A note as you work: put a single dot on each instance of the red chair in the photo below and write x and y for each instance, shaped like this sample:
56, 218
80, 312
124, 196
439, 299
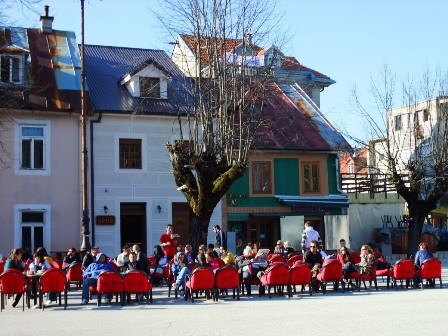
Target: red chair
293, 259
276, 275
403, 269
12, 282
277, 258
110, 282
74, 274
226, 278
299, 275
431, 269
362, 276
137, 282
53, 280
201, 279
2, 266
354, 256
331, 272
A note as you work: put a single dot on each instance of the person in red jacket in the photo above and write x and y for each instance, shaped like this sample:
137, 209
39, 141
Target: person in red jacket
168, 241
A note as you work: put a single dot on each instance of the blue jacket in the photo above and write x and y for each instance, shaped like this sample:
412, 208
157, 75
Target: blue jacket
94, 270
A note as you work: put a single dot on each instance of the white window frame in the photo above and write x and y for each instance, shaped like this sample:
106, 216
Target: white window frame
46, 170
20, 58
19, 209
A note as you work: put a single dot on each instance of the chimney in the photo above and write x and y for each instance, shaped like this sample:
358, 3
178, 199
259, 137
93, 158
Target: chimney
47, 21
248, 38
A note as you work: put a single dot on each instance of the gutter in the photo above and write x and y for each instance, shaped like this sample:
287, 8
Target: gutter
92, 177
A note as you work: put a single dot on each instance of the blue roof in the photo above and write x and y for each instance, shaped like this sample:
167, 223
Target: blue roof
105, 68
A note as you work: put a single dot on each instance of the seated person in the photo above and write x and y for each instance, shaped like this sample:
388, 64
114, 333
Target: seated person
123, 257
366, 264
131, 265
70, 259
181, 276
38, 265
90, 257
213, 260
91, 274
227, 256
246, 268
314, 260
279, 248
289, 249
189, 254
422, 254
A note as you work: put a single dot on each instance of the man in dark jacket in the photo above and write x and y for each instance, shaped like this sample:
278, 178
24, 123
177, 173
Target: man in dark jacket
220, 237
313, 259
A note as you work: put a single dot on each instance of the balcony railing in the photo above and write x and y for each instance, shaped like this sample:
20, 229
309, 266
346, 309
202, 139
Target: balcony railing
369, 183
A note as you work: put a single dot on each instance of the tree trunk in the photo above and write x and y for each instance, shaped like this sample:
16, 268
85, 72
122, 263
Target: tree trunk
416, 219
198, 230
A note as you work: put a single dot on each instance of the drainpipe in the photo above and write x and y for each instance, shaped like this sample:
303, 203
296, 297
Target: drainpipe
338, 180
92, 176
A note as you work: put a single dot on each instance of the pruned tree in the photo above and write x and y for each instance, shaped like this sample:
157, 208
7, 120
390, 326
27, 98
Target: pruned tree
414, 146
226, 98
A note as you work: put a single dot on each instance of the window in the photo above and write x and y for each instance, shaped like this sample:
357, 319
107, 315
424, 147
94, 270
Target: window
261, 177
150, 87
351, 168
416, 118
32, 225
32, 146
310, 177
130, 153
397, 122
425, 115
10, 69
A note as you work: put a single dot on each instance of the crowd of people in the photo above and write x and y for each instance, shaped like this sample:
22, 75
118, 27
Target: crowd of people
180, 261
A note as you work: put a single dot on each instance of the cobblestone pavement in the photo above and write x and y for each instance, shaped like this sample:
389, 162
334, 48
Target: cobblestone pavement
368, 312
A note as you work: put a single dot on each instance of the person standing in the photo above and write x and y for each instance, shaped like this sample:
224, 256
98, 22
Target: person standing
308, 235
220, 237
168, 242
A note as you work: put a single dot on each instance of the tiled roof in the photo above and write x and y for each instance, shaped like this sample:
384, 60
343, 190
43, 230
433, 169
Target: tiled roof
289, 125
291, 63
54, 80
106, 66
229, 46
288, 62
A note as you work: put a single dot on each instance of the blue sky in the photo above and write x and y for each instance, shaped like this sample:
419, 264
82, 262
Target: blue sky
347, 40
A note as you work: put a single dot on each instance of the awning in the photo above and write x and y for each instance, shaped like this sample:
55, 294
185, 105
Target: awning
442, 210
340, 200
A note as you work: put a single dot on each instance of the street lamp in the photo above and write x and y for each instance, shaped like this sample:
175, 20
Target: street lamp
85, 232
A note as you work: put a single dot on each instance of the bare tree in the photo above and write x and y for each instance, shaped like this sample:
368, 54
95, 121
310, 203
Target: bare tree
226, 100
415, 140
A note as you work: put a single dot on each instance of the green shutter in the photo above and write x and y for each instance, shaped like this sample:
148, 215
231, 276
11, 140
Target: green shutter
286, 177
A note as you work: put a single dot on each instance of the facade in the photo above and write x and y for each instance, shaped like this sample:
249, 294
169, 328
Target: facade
40, 104
293, 171
134, 94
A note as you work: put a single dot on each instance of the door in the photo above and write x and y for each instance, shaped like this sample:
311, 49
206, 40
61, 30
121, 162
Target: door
181, 214
318, 225
264, 232
133, 224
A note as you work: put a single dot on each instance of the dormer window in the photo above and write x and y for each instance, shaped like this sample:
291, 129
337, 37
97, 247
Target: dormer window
150, 87
11, 69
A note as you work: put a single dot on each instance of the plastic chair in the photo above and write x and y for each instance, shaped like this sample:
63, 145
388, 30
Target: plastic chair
74, 274
110, 282
137, 282
430, 269
53, 280
299, 275
12, 282
403, 269
331, 272
275, 276
201, 279
277, 258
226, 278
293, 259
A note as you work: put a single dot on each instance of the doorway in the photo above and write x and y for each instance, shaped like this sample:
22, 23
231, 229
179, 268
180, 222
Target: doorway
180, 221
133, 224
318, 225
